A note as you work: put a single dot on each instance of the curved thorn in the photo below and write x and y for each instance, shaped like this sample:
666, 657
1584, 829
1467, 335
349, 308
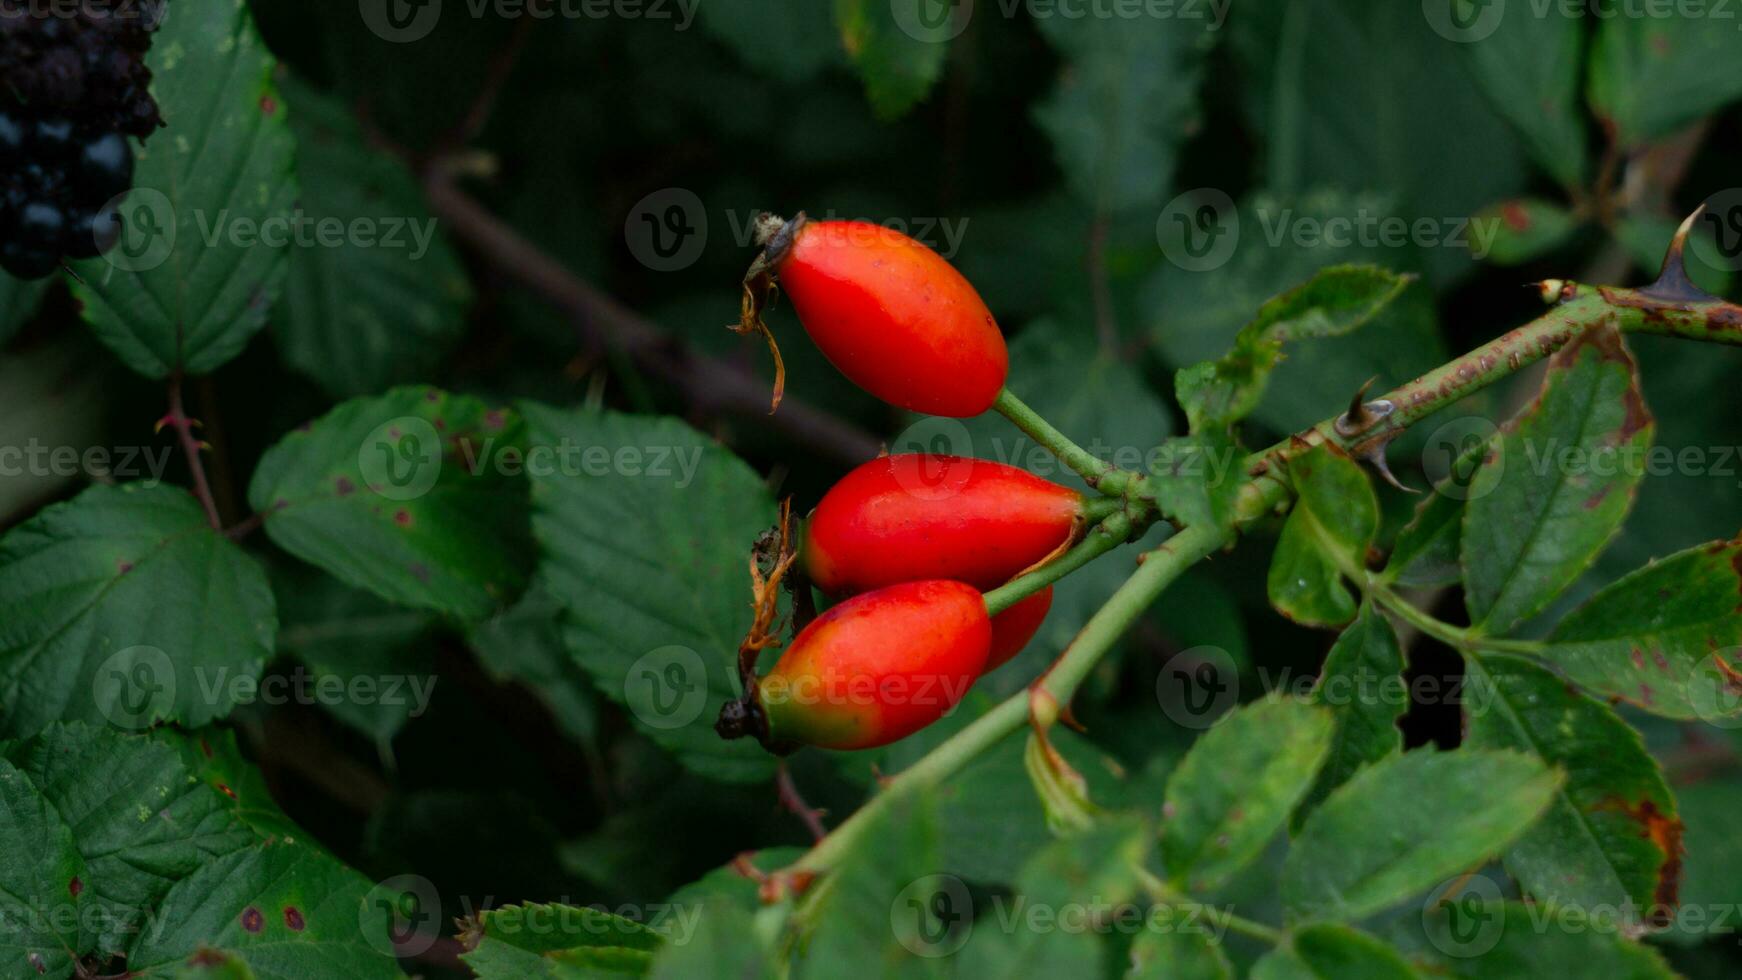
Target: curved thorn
1672, 282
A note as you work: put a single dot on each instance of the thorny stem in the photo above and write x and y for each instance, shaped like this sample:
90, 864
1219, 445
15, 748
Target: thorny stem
178, 420
1096, 472
1671, 306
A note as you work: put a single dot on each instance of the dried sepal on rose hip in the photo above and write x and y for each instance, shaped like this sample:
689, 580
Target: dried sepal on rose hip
917, 516
869, 671
887, 311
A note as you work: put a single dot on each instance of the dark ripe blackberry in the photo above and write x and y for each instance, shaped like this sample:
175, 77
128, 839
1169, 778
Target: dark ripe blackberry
73, 88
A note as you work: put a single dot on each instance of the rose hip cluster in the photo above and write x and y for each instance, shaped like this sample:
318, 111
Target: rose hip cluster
76, 87
907, 542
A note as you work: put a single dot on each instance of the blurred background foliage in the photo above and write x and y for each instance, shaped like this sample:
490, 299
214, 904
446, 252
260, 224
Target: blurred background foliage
1057, 148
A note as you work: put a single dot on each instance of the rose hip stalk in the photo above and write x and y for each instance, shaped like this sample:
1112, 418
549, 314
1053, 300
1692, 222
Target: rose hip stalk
921, 516
870, 671
894, 316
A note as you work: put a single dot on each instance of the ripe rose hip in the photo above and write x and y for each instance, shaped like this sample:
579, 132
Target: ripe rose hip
894, 316
870, 671
921, 516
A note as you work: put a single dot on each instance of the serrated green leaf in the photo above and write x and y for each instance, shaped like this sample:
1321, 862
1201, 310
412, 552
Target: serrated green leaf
649, 562
559, 942
19, 299
42, 876
1236, 786
1556, 484
1327, 951
898, 47
286, 910
1326, 537
124, 606
1529, 63
203, 254
1525, 229
1406, 823
414, 495
1610, 839
1664, 638
1511, 941
1336, 301
363, 309
363, 657
214, 758
137, 815
1124, 103
1197, 480
1362, 686
1652, 75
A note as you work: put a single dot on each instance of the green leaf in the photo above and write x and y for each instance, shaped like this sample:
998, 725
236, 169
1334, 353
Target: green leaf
283, 909
124, 606
1512, 941
414, 495
1406, 823
1426, 552
1610, 839
1529, 62
137, 815
1556, 484
1124, 103
1336, 301
898, 47
363, 658
724, 944
1236, 787
648, 557
1710, 882
42, 876
1650, 76
1525, 229
1662, 638
1097, 867
214, 758
1337, 88
1362, 685
790, 44
1327, 951
203, 255
889, 899
559, 942
19, 299
1326, 537
1166, 951
382, 301
1197, 479
1278, 243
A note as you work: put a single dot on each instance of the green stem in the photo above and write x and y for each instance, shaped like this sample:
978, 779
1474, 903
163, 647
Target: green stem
1453, 636
1104, 537
1158, 570
1164, 894
1097, 473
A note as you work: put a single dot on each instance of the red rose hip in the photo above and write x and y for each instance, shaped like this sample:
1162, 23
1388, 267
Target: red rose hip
870, 671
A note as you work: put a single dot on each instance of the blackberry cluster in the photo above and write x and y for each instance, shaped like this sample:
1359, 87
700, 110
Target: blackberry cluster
73, 87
